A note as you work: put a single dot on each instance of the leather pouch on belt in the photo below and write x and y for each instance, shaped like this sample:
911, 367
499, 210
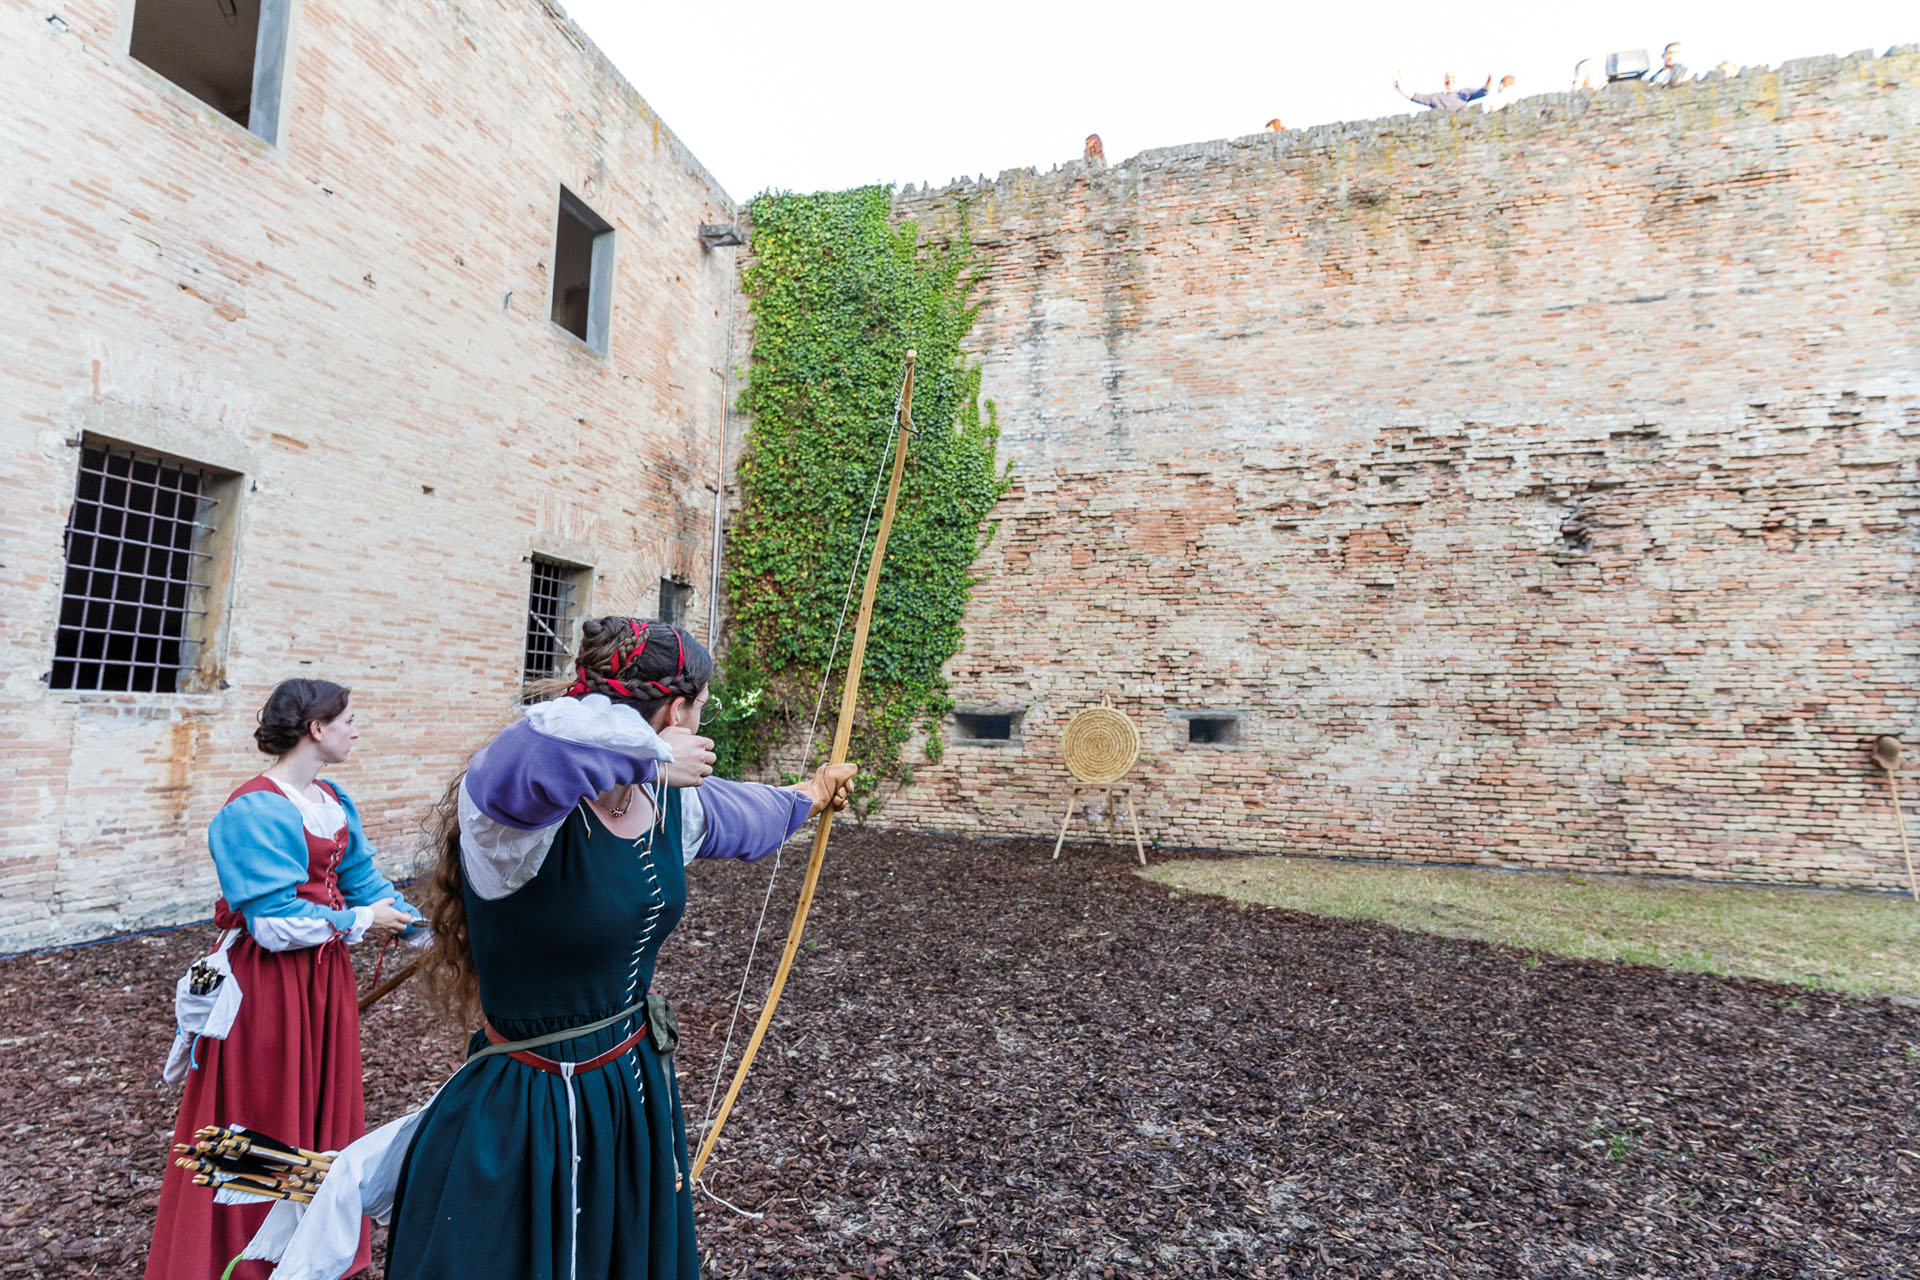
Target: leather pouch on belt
662, 1028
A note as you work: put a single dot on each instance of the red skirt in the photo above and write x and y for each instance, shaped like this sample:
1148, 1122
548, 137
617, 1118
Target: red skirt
291, 1068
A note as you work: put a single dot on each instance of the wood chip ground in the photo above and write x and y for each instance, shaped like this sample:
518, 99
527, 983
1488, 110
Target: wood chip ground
990, 1064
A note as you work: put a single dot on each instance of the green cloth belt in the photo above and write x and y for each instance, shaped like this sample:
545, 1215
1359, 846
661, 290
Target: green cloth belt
555, 1037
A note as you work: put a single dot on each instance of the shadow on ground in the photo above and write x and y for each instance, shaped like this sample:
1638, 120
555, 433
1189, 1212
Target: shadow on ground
988, 1063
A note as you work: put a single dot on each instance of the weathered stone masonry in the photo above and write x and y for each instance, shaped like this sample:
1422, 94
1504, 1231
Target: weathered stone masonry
355, 319
1539, 488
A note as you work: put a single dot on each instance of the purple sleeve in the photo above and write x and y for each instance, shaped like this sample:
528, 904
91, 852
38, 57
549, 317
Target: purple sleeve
748, 819
525, 779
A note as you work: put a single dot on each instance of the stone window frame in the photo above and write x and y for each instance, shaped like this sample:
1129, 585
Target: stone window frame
604, 252
272, 74
1016, 717
201, 618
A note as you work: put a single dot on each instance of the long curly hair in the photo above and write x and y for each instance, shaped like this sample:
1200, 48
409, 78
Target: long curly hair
640, 662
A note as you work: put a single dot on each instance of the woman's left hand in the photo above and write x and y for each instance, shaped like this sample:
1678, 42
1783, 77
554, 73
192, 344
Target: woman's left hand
830, 785
388, 922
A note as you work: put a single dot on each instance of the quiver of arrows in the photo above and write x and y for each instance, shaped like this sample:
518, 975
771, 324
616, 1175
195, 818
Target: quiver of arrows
232, 1158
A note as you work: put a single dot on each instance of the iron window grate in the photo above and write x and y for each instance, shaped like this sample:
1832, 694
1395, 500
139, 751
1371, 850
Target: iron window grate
549, 618
674, 596
137, 572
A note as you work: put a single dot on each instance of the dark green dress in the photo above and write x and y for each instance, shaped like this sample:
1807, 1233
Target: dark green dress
487, 1190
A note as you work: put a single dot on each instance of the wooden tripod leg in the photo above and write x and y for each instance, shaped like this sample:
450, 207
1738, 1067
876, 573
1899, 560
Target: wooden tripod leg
1900, 819
1113, 818
1138, 849
1073, 798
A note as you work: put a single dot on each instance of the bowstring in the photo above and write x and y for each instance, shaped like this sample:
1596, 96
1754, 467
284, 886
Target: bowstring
806, 754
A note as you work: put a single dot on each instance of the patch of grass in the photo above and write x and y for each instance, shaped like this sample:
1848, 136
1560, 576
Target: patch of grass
1858, 943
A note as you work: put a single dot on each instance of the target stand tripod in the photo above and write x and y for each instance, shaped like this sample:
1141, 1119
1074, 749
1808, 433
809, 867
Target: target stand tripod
1100, 746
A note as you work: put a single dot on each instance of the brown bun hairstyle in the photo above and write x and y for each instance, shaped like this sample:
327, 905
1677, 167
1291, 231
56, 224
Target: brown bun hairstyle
292, 708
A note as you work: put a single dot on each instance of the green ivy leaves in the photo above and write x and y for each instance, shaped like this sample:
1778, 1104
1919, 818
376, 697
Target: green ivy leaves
838, 298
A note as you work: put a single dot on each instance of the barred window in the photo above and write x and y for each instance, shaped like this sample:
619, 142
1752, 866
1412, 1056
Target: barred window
675, 597
550, 613
140, 564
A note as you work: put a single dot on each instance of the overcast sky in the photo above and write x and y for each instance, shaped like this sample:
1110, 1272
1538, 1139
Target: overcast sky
809, 95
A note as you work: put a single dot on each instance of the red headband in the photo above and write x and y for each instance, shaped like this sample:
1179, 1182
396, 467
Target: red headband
621, 660
679, 663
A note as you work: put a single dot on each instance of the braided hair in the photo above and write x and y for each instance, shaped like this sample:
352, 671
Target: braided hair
641, 662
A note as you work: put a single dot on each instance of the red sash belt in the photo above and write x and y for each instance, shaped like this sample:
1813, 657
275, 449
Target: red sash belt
579, 1068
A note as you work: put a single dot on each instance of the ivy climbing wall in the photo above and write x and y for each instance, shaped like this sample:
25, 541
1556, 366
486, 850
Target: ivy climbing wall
838, 297
1535, 488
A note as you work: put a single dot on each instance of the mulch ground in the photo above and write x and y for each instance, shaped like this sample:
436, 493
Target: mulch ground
988, 1064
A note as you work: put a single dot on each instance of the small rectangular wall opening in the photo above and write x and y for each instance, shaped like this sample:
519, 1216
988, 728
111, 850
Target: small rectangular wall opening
986, 726
582, 272
1213, 731
230, 54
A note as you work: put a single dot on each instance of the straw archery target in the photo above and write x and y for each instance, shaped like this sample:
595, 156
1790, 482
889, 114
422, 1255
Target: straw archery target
1100, 745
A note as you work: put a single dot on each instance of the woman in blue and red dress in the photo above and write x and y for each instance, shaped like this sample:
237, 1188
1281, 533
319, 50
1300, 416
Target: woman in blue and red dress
298, 887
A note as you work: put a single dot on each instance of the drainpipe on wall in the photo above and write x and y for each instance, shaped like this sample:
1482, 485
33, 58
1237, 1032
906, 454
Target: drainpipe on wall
719, 236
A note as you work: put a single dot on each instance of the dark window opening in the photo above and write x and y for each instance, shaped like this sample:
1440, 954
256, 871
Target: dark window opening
1213, 730
984, 726
582, 272
137, 573
230, 54
1575, 535
549, 618
675, 598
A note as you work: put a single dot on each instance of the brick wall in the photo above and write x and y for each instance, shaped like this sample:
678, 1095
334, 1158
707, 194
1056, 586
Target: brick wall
355, 321
1538, 488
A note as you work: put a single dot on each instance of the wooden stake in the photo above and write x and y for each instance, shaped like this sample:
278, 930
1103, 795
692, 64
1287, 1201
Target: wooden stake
843, 731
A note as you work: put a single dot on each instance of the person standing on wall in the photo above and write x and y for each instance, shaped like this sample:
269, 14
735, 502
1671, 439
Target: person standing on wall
1450, 98
298, 887
1671, 71
1498, 100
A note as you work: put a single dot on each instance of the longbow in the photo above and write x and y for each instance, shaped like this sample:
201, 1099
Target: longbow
842, 732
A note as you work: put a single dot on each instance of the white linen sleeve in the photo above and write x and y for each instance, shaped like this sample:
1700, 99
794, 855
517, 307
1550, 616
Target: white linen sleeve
290, 933
693, 825
496, 858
